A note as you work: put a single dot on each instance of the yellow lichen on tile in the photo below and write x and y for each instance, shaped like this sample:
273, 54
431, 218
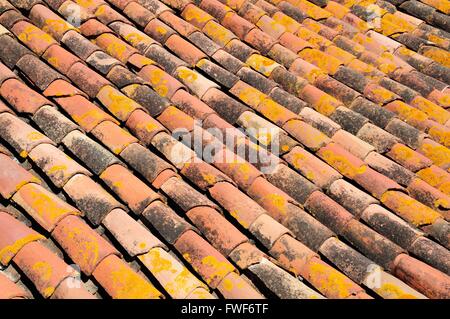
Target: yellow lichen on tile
44, 208
320, 59
342, 55
440, 134
187, 75
439, 55
433, 110
31, 32
87, 118
297, 161
442, 5
117, 103
290, 24
314, 39
35, 136
405, 154
196, 15
135, 38
249, 95
44, 272
342, 164
219, 269
58, 26
436, 179
312, 10
329, 281
326, 105
159, 82
127, 284
176, 279
437, 39
440, 155
218, 33
338, 10
409, 209
274, 111
262, 64
391, 291
8, 252
276, 204
407, 113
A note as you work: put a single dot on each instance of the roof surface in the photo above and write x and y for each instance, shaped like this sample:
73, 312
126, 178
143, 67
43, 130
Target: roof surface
344, 102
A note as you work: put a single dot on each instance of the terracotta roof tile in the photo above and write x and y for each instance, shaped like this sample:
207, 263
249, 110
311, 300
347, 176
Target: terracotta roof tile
350, 197
193, 106
200, 293
82, 244
4, 108
379, 116
143, 126
33, 37
79, 45
94, 201
267, 230
133, 237
10, 290
49, 22
121, 282
389, 168
164, 84
53, 123
60, 88
311, 167
113, 136
59, 167
39, 73
46, 208
170, 272
176, 23
422, 275
234, 286
166, 221
20, 135
13, 177
159, 31
220, 233
10, 17
209, 263
378, 217
429, 195
436, 177
178, 190
339, 253
14, 237
34, 254
204, 43
408, 158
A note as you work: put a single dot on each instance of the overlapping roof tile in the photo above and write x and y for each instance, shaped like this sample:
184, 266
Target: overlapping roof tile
114, 183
